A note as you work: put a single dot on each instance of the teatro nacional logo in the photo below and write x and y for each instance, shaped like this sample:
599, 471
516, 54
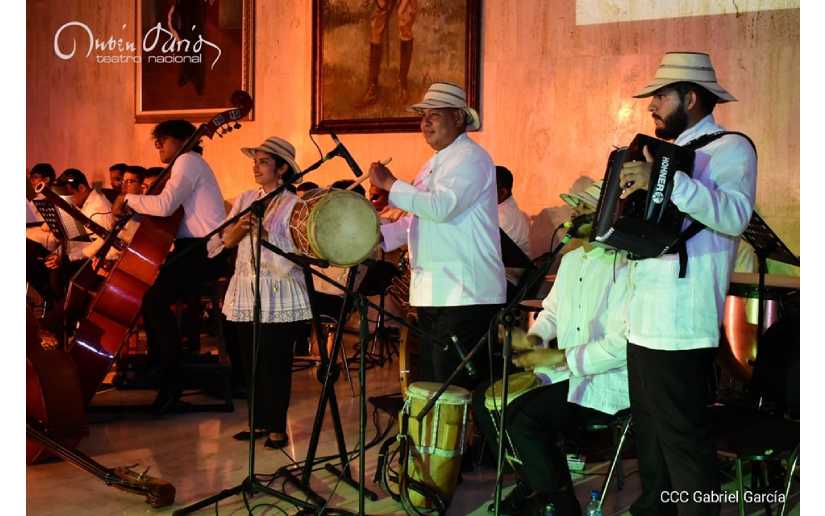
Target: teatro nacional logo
159, 45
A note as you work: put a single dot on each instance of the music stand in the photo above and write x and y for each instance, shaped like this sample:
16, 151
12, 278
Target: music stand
766, 244
52, 218
511, 253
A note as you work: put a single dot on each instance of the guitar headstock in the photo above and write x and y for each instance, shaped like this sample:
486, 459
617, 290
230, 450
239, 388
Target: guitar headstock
228, 120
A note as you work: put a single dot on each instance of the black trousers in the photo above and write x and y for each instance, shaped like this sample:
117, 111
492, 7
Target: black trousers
52, 285
535, 421
669, 395
179, 279
273, 384
438, 356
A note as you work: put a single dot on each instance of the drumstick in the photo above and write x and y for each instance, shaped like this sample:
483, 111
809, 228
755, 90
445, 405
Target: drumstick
366, 176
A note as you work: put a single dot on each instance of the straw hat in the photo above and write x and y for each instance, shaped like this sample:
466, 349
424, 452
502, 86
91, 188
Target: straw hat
588, 196
277, 146
692, 67
447, 95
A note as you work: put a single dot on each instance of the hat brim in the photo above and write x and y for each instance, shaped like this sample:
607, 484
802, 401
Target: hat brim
250, 153
473, 120
713, 88
573, 199
569, 200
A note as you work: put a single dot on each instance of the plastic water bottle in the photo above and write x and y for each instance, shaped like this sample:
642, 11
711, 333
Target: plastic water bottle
593, 508
549, 510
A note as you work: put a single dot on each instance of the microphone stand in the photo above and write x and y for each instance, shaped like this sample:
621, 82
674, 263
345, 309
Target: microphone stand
328, 392
508, 317
250, 485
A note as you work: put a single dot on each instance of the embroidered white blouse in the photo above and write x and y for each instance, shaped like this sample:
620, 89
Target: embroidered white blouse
283, 290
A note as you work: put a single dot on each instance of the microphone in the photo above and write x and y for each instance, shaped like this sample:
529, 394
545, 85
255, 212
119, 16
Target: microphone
580, 226
342, 151
462, 353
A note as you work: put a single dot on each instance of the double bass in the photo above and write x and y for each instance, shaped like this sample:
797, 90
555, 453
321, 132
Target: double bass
106, 311
115, 305
55, 407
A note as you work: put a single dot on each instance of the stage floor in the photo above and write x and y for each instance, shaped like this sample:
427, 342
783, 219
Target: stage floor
196, 453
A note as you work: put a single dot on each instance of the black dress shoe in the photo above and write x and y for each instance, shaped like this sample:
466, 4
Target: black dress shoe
244, 435
166, 400
276, 445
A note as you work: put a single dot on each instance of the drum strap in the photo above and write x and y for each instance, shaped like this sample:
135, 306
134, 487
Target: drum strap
695, 227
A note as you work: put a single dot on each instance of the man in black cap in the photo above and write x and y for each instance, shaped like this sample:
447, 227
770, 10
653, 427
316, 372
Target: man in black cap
93, 204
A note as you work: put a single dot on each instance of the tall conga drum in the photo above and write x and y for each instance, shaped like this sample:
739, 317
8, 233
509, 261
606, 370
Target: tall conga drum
439, 441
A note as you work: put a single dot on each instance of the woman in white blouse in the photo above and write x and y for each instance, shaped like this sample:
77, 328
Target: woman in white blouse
285, 309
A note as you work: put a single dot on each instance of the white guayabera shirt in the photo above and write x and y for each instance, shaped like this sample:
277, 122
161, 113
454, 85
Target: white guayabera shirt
586, 312
672, 313
452, 228
191, 184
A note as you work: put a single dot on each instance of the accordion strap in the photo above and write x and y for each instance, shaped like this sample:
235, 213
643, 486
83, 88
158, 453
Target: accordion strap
696, 226
681, 248
705, 139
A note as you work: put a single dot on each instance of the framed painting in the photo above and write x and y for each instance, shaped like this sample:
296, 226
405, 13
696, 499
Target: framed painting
373, 58
193, 55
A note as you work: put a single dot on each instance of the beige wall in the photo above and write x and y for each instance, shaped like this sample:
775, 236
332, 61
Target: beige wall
555, 97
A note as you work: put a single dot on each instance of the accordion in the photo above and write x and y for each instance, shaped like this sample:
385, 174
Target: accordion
646, 224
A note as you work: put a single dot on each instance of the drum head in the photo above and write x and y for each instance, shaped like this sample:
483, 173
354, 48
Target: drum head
518, 384
454, 395
343, 228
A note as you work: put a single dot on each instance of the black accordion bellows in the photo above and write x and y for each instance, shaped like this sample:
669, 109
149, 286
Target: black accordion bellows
646, 224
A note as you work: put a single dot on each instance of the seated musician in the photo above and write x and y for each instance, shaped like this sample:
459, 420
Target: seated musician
150, 175
192, 186
584, 380
133, 179
94, 205
305, 187
116, 173
285, 307
513, 222
131, 183
36, 229
40, 242
41, 173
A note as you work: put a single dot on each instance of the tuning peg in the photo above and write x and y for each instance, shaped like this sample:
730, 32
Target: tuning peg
140, 477
219, 134
228, 128
237, 125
